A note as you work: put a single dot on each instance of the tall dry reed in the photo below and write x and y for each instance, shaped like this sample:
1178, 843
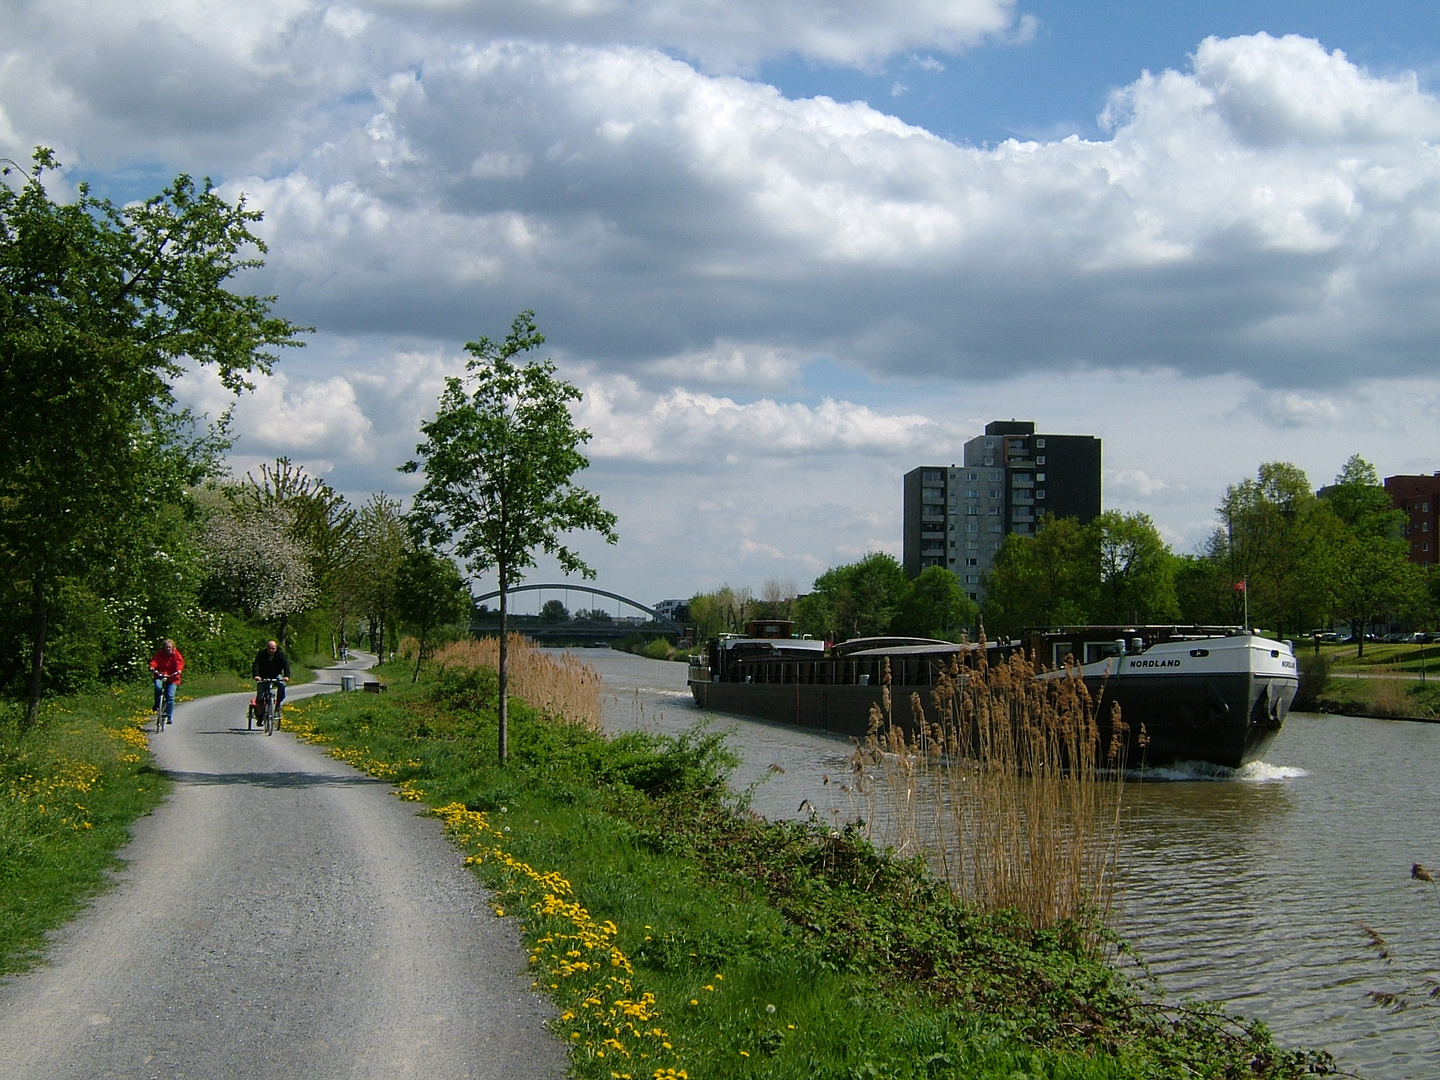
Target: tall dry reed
1004, 786
557, 684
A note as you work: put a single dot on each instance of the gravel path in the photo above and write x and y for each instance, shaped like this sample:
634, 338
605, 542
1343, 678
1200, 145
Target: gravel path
281, 915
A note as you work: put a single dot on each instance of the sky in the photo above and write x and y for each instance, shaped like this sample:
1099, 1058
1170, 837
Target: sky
790, 250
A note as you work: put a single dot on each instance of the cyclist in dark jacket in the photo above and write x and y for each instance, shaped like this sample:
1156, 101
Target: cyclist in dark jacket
271, 663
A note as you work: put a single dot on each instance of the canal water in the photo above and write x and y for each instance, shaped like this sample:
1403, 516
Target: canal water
1249, 890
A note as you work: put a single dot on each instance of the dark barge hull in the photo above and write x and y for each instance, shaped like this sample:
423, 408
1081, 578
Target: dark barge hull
1224, 719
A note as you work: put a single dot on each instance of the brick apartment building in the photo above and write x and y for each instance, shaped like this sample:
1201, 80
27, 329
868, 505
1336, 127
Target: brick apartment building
1419, 497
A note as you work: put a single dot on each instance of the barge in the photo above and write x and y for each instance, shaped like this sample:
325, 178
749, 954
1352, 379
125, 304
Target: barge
1205, 694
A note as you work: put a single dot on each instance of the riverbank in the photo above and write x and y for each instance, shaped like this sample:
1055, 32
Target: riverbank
678, 932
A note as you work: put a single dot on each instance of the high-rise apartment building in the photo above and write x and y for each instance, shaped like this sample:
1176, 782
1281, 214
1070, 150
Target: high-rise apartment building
956, 516
1419, 497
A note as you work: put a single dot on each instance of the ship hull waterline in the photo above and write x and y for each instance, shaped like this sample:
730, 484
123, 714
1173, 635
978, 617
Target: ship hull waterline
1227, 720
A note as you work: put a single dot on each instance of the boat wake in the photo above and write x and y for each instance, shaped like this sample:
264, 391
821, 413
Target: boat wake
1256, 772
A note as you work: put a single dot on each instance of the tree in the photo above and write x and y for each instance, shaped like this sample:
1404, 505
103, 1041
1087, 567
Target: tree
1275, 537
499, 460
858, 599
1137, 570
429, 593
99, 307
934, 605
381, 536
554, 611
256, 564
1047, 579
1368, 572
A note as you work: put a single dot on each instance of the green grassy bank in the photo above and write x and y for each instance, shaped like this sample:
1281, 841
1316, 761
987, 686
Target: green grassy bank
683, 937
69, 791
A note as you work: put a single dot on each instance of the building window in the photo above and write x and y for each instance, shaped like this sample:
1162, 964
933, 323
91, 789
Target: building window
971, 545
1424, 545
972, 476
989, 444
1040, 459
996, 493
972, 579
974, 596
972, 493
994, 511
1039, 511
1039, 477
1040, 443
1039, 494
972, 526
1424, 526
952, 543
972, 562
989, 460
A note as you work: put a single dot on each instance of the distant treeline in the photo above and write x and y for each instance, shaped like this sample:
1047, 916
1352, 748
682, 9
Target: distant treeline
1307, 559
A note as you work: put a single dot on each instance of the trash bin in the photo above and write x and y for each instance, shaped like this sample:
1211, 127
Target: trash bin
347, 683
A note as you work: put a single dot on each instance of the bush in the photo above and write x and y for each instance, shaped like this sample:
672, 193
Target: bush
1314, 678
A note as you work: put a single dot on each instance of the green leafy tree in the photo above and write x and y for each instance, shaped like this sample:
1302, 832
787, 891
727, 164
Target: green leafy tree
381, 537
1047, 579
1369, 574
934, 605
1276, 537
1137, 570
862, 597
429, 593
100, 305
554, 612
499, 460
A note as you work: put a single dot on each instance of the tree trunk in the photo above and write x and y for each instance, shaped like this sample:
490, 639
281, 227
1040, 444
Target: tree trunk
37, 654
1360, 639
504, 709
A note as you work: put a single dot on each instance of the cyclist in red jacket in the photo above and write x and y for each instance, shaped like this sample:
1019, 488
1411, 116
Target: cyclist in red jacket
165, 667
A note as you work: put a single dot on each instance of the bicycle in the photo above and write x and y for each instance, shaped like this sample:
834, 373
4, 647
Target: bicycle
162, 712
264, 709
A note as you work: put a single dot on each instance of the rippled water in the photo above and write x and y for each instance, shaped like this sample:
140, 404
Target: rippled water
1248, 890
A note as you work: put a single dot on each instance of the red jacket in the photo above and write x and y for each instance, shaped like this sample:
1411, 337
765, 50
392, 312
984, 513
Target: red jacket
171, 664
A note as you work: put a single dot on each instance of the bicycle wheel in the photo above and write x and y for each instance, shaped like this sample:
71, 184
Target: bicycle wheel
270, 717
158, 721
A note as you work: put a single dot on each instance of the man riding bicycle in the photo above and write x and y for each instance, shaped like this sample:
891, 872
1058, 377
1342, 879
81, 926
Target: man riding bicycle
272, 663
165, 668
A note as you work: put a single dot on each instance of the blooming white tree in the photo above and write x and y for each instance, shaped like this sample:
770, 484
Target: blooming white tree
254, 558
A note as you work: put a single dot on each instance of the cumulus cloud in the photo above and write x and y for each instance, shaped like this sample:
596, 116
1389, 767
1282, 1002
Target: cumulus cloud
737, 34
1250, 249
652, 211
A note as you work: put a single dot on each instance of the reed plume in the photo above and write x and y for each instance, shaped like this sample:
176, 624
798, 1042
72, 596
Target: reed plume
1003, 784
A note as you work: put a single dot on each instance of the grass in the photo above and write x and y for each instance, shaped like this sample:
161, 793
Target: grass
681, 936
69, 791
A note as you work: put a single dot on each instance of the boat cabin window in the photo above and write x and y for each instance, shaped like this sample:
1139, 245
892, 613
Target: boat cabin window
1059, 650
1100, 650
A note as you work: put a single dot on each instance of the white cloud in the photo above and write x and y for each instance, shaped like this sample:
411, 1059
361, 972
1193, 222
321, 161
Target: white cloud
649, 211
737, 34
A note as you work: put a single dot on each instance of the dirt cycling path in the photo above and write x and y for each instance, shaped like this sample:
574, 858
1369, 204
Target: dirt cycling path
281, 916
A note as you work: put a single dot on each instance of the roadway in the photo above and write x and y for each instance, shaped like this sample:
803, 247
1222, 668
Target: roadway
280, 915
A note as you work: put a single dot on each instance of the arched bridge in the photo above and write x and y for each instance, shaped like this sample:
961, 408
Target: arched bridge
572, 586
